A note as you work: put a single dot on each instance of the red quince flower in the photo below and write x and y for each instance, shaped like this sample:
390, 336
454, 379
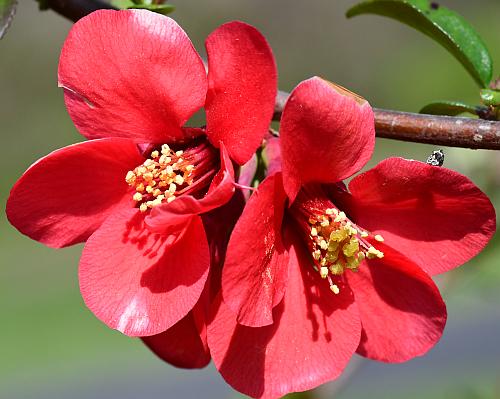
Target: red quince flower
135, 191
315, 271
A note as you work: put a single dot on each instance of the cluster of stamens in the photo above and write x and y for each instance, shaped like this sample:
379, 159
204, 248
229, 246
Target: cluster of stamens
337, 245
160, 178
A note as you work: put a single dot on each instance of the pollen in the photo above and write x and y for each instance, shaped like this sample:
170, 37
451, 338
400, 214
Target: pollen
338, 245
160, 178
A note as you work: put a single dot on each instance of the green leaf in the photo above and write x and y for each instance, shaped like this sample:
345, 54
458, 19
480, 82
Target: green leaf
450, 108
134, 4
7, 11
490, 97
441, 24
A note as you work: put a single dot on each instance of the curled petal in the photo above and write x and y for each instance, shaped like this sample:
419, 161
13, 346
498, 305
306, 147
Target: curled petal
131, 74
64, 197
327, 134
171, 217
184, 344
401, 310
435, 216
142, 283
255, 271
242, 87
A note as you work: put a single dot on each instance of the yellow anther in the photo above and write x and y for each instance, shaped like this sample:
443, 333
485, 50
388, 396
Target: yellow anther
379, 238
179, 180
373, 253
337, 269
329, 211
364, 234
165, 149
340, 217
323, 272
351, 247
323, 244
157, 179
325, 223
130, 178
137, 197
335, 289
314, 232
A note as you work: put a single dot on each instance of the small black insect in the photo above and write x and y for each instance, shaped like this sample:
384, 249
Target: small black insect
436, 158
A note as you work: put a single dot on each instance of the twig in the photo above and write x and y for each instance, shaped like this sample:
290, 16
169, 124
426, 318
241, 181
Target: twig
418, 128
428, 129
76, 9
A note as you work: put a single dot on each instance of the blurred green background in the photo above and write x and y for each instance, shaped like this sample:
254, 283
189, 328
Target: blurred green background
51, 346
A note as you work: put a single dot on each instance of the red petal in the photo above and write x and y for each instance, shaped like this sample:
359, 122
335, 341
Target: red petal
402, 312
131, 74
142, 283
241, 90
313, 337
327, 133
182, 345
247, 172
64, 197
255, 272
272, 154
169, 217
435, 216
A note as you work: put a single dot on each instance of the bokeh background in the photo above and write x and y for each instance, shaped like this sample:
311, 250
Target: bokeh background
51, 346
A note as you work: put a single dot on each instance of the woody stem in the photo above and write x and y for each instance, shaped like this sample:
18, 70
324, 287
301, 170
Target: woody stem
405, 126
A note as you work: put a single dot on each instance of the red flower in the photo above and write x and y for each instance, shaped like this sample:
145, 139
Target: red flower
136, 190
338, 271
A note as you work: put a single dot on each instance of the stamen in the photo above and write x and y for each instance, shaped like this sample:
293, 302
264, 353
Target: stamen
335, 243
168, 173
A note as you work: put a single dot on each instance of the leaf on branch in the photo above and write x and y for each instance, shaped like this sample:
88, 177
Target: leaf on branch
7, 11
490, 97
130, 4
450, 108
443, 25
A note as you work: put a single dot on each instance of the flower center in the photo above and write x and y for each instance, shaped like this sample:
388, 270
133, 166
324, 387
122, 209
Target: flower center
336, 244
167, 173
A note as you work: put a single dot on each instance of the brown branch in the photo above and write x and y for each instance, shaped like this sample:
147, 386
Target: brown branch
428, 129
418, 128
76, 9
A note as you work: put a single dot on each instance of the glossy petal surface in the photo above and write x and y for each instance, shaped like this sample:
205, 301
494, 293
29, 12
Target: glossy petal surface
401, 310
142, 283
181, 345
242, 87
313, 337
131, 74
255, 272
64, 197
327, 134
434, 216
